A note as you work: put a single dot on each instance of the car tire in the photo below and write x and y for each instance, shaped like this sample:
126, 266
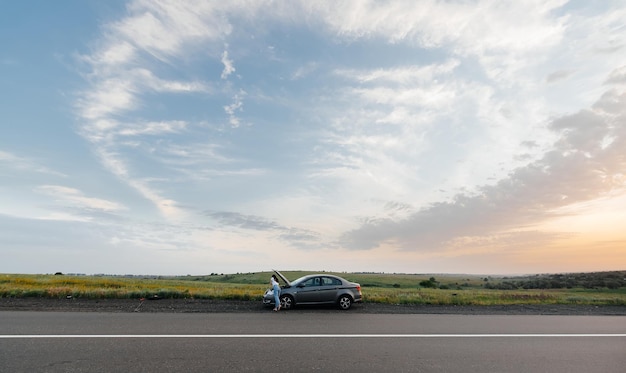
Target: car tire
286, 302
344, 302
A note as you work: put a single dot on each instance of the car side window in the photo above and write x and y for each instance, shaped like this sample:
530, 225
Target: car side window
329, 281
315, 281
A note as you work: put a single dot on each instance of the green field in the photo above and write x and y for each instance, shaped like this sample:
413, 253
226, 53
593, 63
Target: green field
599, 288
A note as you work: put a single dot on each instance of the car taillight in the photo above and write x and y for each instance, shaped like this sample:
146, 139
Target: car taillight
358, 288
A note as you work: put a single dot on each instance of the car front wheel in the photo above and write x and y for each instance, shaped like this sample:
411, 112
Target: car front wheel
344, 302
286, 302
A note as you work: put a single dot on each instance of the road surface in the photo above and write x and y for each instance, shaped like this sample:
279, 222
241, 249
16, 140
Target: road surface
306, 342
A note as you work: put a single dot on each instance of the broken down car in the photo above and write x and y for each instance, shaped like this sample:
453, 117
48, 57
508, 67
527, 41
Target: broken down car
316, 289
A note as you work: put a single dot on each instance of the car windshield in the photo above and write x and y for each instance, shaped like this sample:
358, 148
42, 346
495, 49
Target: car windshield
299, 280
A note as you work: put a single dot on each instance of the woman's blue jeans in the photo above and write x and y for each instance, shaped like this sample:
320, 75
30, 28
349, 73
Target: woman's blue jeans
276, 296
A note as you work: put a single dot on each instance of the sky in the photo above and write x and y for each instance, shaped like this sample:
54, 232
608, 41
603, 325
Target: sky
197, 137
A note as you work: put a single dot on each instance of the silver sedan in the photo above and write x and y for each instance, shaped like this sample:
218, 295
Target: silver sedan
316, 289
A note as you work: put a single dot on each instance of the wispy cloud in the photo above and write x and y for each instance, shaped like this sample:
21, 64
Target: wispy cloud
12, 161
107, 97
76, 198
305, 70
229, 68
153, 128
244, 221
617, 76
70, 204
145, 79
297, 237
407, 75
559, 75
235, 107
122, 71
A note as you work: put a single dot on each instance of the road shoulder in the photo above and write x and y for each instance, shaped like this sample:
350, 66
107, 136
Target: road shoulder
213, 306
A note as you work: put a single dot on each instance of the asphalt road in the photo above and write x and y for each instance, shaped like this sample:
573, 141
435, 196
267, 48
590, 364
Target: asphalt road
312, 341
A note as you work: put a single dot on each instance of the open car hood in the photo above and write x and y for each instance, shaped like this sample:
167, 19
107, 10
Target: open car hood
282, 277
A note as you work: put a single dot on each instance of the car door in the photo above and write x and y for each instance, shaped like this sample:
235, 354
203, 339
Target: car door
328, 290
308, 291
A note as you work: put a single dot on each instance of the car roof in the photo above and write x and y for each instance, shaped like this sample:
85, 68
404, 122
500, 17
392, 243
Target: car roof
307, 276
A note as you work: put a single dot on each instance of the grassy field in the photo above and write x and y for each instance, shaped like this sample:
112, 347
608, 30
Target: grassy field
376, 288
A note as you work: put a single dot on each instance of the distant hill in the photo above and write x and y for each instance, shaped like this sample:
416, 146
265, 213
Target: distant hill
588, 280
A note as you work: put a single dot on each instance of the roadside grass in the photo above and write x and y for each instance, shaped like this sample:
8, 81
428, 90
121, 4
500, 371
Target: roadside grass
376, 288
96, 287
494, 297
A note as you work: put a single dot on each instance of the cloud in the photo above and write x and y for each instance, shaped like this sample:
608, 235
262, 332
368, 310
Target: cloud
236, 106
617, 76
229, 68
244, 221
76, 198
164, 28
144, 78
153, 128
12, 161
304, 71
202, 162
192, 154
297, 237
559, 75
403, 75
582, 167
108, 97
480, 27
122, 72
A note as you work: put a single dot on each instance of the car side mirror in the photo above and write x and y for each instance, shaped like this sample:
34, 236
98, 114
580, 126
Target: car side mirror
300, 285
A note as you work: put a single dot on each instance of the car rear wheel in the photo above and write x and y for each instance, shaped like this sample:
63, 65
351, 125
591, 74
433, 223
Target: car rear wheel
286, 302
344, 302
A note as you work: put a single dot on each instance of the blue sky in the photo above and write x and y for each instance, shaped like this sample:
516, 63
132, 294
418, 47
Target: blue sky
166, 137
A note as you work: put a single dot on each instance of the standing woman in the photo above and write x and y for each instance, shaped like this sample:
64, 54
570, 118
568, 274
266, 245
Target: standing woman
276, 287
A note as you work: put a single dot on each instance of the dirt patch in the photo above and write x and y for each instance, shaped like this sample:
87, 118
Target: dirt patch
219, 306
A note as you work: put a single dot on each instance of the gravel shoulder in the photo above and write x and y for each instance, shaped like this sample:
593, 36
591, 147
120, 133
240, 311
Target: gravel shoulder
221, 306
